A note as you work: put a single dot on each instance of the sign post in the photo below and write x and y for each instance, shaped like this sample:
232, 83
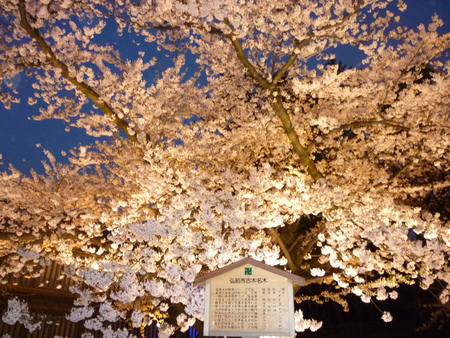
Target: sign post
249, 299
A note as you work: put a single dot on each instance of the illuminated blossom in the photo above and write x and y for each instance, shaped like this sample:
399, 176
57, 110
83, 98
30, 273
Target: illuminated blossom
387, 317
249, 141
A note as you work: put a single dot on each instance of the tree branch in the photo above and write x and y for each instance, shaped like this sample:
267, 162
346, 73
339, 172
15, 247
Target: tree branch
319, 280
273, 232
290, 61
315, 280
279, 109
81, 86
276, 101
293, 137
394, 176
247, 64
347, 16
357, 124
310, 244
304, 42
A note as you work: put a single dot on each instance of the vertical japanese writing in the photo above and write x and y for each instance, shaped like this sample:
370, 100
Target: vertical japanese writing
272, 307
249, 308
235, 308
249, 300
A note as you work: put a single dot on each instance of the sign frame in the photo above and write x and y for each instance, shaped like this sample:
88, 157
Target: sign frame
218, 280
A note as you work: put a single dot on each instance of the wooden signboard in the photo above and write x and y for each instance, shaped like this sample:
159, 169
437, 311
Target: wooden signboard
249, 298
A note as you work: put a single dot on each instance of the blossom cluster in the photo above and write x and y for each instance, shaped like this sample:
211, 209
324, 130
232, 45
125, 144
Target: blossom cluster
251, 128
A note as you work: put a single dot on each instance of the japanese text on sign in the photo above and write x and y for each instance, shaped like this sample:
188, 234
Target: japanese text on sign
249, 304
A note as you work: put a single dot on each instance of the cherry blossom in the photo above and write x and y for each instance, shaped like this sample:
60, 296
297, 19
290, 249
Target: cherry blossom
387, 317
250, 142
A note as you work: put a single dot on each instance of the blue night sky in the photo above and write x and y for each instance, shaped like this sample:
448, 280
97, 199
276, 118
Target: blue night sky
19, 134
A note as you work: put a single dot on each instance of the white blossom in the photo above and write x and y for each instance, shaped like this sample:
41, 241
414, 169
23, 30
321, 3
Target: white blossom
108, 313
302, 324
317, 272
79, 313
393, 294
219, 157
18, 311
136, 317
387, 317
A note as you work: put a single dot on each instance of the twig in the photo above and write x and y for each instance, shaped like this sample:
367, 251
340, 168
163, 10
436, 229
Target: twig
310, 244
394, 176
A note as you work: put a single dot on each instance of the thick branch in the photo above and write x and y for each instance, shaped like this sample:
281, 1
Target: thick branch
293, 137
5, 236
247, 64
290, 61
328, 279
81, 86
279, 109
273, 232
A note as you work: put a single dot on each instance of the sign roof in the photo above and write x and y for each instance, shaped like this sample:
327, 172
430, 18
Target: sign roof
249, 261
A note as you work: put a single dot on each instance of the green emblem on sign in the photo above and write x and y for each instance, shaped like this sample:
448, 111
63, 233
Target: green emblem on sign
248, 271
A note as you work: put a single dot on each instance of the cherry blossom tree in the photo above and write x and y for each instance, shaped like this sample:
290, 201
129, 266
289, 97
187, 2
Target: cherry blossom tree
268, 149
